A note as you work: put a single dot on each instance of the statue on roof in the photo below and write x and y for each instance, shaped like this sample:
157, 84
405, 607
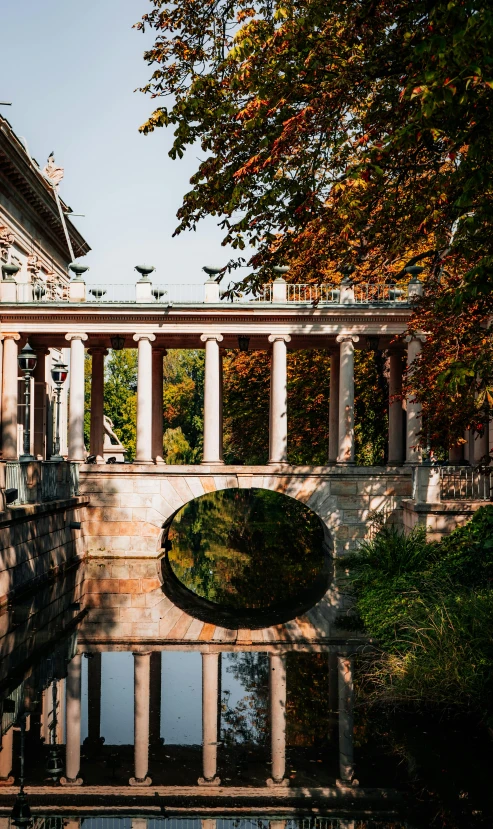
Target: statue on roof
51, 171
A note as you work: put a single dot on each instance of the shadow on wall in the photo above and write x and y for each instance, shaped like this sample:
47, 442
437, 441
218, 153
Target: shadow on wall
246, 558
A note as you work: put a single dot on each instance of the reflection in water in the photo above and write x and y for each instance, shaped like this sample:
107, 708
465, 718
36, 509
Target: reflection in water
206, 721
246, 548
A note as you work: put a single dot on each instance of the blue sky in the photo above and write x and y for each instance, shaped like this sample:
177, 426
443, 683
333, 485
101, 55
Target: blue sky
70, 69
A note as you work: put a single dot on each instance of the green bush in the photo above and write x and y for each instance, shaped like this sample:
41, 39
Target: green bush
429, 607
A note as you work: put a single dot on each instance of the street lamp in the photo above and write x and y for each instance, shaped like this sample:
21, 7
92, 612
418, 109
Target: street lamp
21, 813
117, 342
243, 343
59, 373
27, 363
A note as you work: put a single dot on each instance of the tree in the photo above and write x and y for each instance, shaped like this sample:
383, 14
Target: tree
342, 134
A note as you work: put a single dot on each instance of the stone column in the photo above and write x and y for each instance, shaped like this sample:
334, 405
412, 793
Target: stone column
143, 452
212, 397
413, 452
9, 396
98, 354
278, 413
396, 437
456, 454
139, 823
481, 446
6, 763
206, 823
210, 662
94, 666
72, 724
346, 399
346, 705
333, 695
277, 685
142, 669
76, 449
157, 404
155, 699
39, 404
335, 366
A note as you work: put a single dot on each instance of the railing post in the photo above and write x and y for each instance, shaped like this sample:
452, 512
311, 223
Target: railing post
211, 290
77, 291
279, 290
426, 484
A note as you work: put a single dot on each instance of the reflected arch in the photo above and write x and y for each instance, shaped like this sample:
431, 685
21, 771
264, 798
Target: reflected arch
283, 569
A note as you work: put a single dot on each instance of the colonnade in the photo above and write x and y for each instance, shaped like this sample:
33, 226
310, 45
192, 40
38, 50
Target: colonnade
149, 444
145, 719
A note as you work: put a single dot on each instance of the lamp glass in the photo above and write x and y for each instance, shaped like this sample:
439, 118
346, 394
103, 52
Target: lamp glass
27, 359
59, 373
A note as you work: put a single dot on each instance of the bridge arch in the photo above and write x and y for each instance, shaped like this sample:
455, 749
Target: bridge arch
288, 600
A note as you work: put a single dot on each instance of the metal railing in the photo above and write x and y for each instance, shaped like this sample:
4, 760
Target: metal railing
110, 293
41, 481
149, 293
466, 483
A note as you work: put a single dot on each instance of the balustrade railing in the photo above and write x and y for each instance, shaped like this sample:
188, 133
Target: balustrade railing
41, 481
188, 294
466, 483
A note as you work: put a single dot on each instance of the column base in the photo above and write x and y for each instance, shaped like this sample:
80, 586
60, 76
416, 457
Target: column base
283, 783
204, 781
145, 781
139, 462
68, 781
347, 784
212, 463
345, 463
278, 463
7, 781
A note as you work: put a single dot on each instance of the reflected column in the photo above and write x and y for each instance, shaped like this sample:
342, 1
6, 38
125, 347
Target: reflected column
6, 778
346, 705
94, 700
142, 673
210, 685
72, 724
155, 699
277, 685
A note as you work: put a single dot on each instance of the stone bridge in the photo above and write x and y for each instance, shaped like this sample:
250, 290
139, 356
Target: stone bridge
127, 509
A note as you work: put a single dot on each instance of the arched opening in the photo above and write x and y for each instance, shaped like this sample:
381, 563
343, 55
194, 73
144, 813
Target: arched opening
245, 558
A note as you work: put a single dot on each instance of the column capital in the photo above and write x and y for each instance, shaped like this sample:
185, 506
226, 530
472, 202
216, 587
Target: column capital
160, 349
410, 337
97, 349
76, 336
344, 338
284, 337
144, 336
218, 337
10, 336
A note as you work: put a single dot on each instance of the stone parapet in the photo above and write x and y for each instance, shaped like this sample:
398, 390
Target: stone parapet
36, 541
129, 507
439, 519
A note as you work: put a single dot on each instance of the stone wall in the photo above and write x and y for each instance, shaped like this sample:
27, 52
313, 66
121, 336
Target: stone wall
36, 542
439, 519
129, 507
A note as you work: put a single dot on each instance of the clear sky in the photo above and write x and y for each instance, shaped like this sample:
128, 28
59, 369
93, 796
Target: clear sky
70, 69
